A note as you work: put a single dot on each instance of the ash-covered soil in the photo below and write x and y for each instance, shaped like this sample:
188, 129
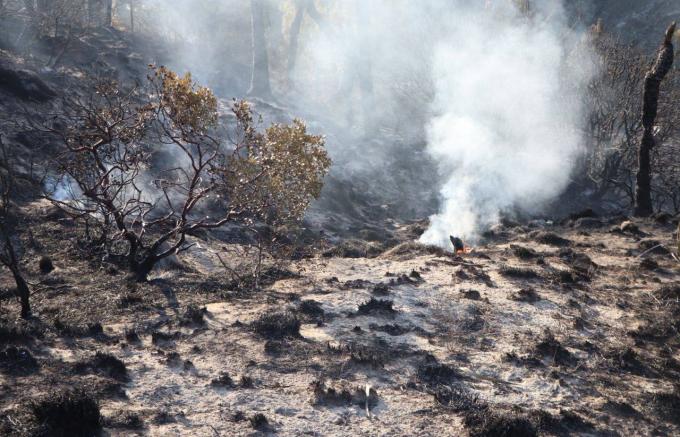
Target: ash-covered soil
569, 329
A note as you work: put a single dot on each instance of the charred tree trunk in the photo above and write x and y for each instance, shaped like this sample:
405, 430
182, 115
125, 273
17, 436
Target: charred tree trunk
653, 79
108, 17
23, 293
294, 37
259, 84
132, 16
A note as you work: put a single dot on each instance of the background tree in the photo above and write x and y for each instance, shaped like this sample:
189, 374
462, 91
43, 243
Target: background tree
259, 84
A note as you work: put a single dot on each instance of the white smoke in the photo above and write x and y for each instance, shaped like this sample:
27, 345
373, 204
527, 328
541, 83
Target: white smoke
488, 87
506, 134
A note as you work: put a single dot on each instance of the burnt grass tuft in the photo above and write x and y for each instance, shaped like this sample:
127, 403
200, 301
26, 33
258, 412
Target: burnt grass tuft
667, 405
68, 414
105, 365
523, 253
45, 265
312, 309
342, 394
432, 372
193, 315
259, 422
549, 239
17, 362
479, 418
551, 348
518, 273
277, 325
376, 306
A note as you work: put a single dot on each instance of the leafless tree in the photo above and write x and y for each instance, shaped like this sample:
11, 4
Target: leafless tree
656, 74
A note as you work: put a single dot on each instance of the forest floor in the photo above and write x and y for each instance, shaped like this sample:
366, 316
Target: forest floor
542, 330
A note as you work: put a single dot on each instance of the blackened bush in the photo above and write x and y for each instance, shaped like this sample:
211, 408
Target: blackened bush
277, 324
104, 364
17, 362
45, 264
68, 414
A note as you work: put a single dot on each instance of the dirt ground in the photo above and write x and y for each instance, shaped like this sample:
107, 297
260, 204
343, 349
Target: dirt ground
567, 329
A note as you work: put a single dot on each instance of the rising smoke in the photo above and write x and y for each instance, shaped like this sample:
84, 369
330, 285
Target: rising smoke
505, 131
484, 84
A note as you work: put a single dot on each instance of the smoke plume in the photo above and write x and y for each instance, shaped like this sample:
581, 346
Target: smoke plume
505, 134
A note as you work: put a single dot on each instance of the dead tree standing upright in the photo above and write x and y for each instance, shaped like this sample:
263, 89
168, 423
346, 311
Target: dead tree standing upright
661, 67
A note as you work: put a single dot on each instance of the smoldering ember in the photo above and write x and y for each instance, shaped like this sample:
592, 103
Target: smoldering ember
339, 218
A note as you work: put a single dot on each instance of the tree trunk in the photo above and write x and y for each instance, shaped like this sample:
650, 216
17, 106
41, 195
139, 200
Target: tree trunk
108, 18
294, 37
259, 84
23, 292
132, 16
653, 79
141, 269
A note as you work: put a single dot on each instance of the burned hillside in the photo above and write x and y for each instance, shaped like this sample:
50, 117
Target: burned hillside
285, 218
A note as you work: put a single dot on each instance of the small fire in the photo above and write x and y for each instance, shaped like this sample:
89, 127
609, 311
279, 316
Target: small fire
459, 247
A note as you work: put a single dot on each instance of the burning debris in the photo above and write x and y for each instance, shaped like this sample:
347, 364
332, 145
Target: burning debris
459, 247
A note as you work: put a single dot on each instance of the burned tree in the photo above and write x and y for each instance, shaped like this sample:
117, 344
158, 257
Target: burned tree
653, 79
146, 165
9, 256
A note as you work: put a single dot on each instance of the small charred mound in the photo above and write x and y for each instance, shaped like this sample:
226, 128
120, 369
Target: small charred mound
667, 406
519, 273
669, 293
652, 247
485, 424
479, 418
124, 420
459, 400
68, 414
375, 354
413, 249
375, 306
260, 423
524, 253
566, 423
45, 265
549, 347
390, 329
627, 360
277, 325
75, 331
267, 278
193, 315
581, 265
17, 362
223, 380
19, 331
311, 310
354, 249
549, 239
104, 365
433, 373
527, 295
342, 394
